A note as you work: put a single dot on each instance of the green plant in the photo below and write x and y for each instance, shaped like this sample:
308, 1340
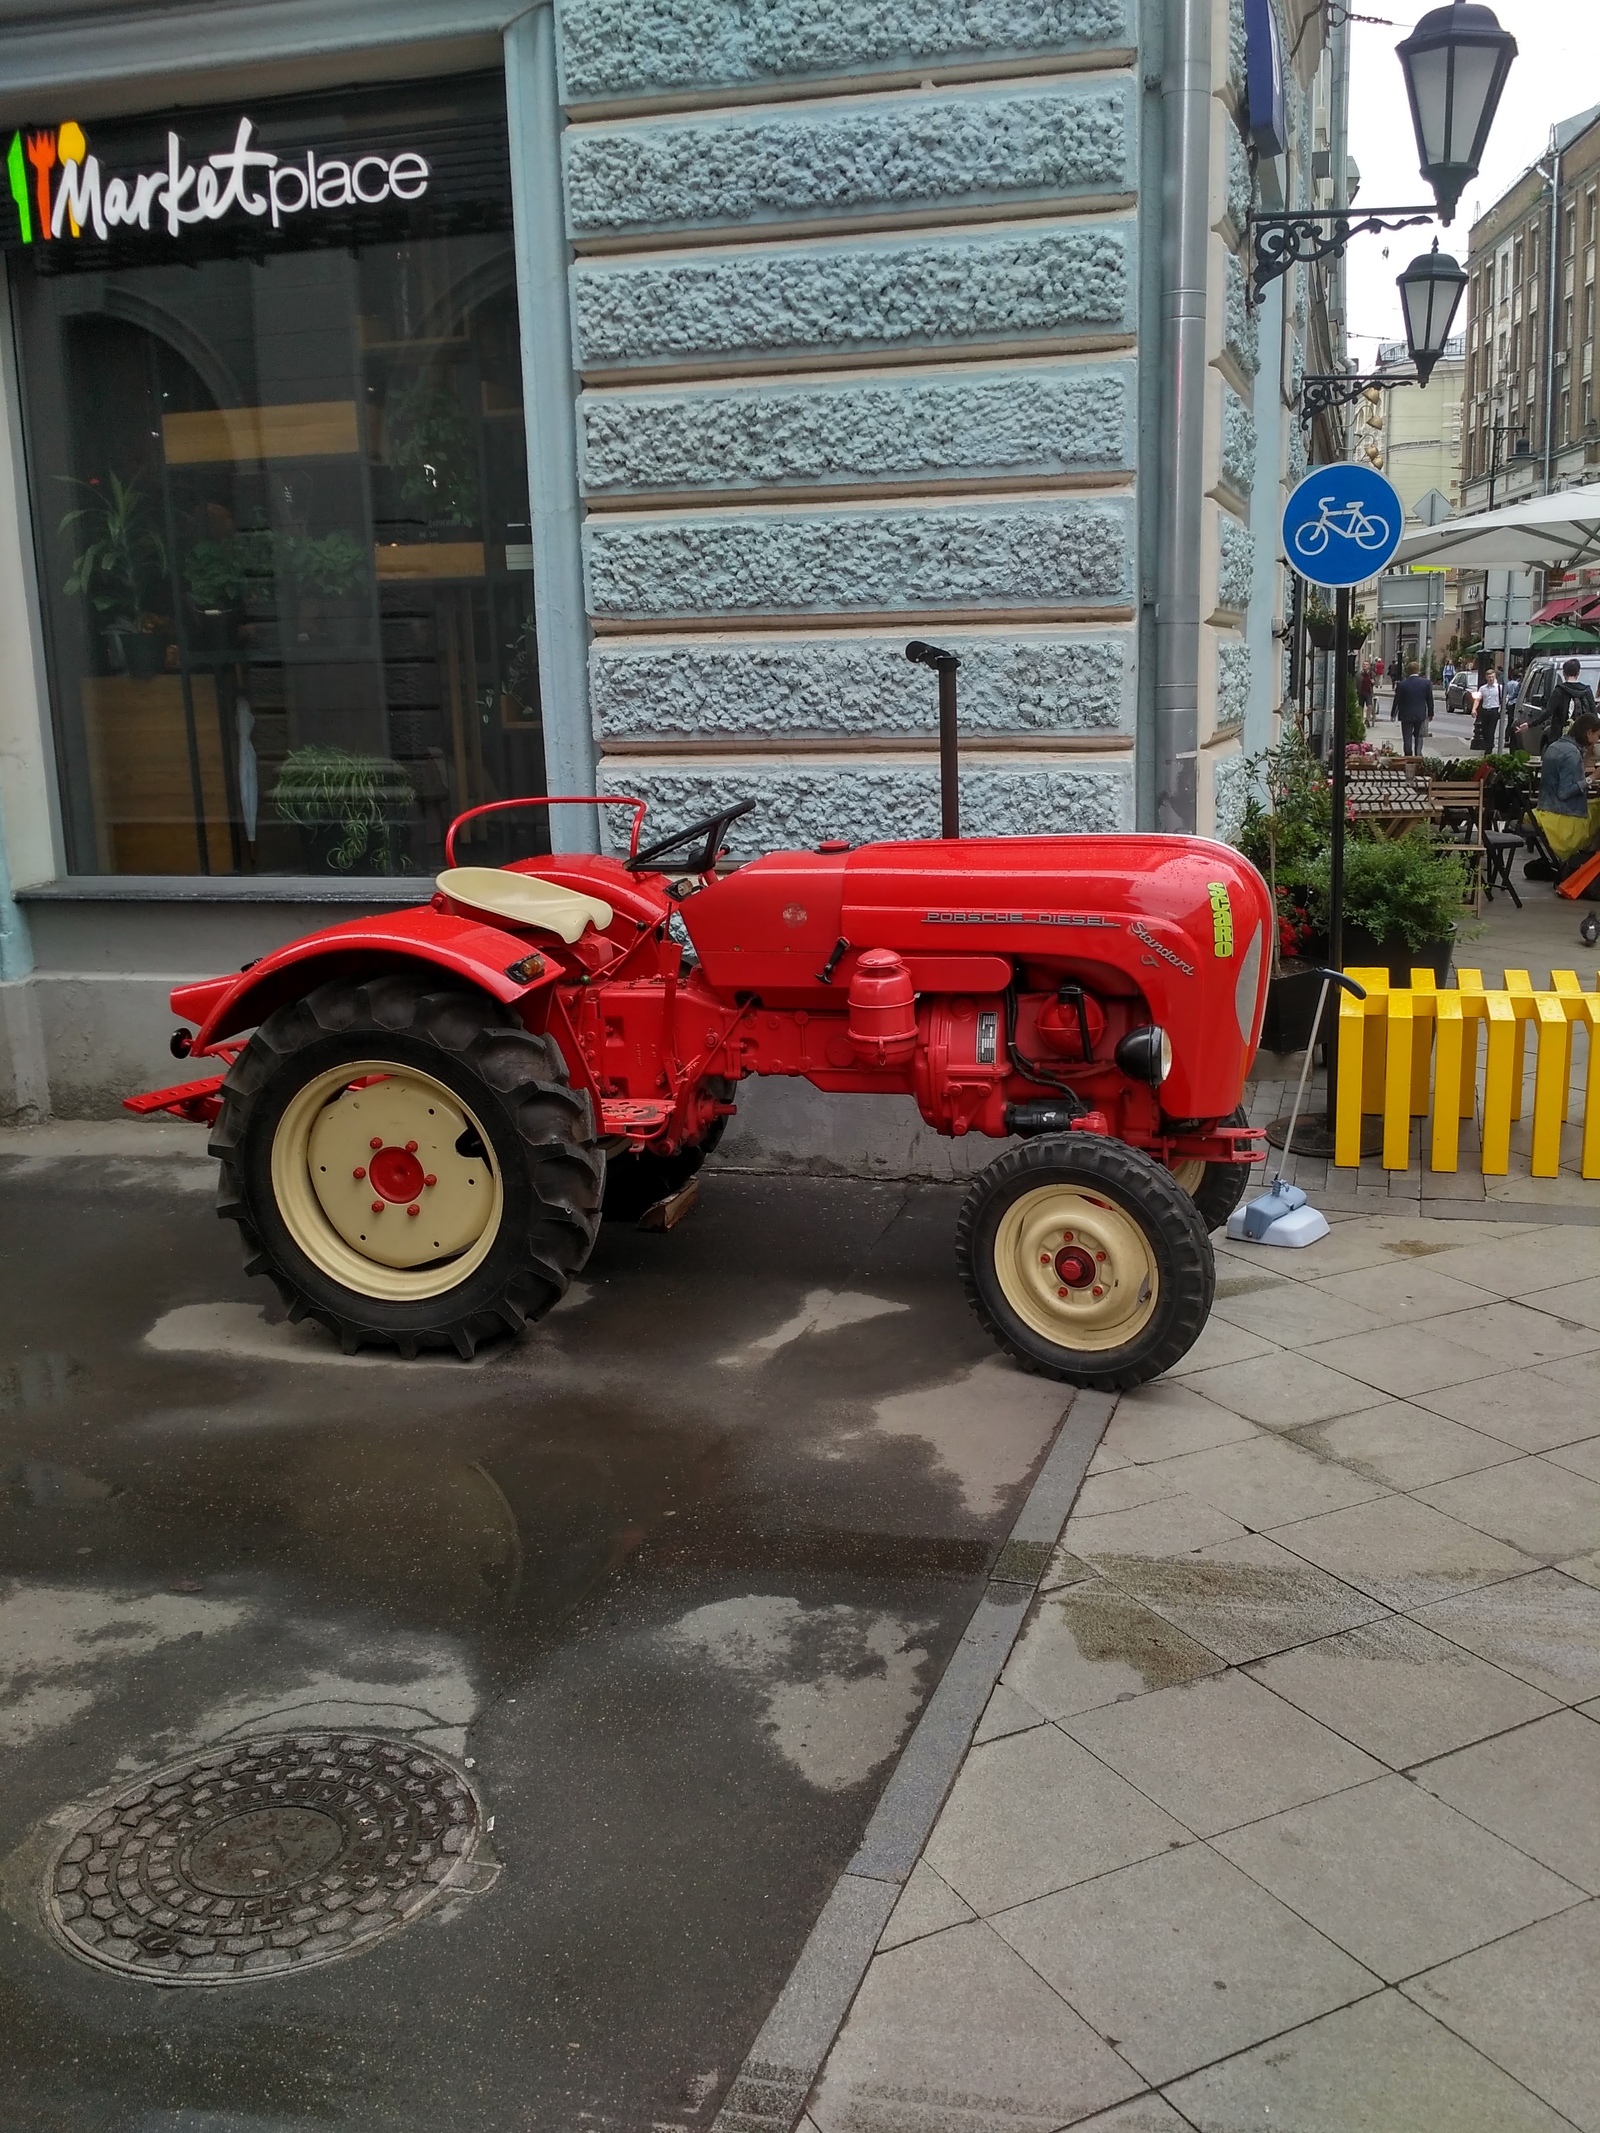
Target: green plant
432, 446
365, 796
1284, 836
121, 552
1405, 888
244, 564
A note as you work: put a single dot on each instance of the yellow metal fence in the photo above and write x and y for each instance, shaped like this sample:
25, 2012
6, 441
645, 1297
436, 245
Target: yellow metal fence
1417, 1054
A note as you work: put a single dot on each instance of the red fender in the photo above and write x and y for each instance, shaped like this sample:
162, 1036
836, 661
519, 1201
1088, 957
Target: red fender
486, 956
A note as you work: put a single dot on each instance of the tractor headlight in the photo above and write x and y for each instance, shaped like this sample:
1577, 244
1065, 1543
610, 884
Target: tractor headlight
1146, 1054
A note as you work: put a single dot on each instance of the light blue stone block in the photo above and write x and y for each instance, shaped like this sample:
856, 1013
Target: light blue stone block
621, 48
1241, 181
745, 168
1033, 421
1230, 789
1235, 565
1238, 444
808, 688
798, 804
1052, 556
1242, 330
1233, 683
856, 297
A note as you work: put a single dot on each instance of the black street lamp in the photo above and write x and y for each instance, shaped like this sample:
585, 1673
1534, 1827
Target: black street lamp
1430, 295
1455, 61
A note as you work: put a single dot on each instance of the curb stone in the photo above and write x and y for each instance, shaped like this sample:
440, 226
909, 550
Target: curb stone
769, 2091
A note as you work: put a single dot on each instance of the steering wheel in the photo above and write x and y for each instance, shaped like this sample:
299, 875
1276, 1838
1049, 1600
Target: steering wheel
711, 827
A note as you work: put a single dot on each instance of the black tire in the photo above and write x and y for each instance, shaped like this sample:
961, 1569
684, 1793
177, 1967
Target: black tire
538, 1135
1221, 1185
1111, 1186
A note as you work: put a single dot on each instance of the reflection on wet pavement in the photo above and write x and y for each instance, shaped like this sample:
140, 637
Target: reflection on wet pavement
679, 1616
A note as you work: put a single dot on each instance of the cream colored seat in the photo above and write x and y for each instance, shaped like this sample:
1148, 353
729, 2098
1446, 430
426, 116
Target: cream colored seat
525, 900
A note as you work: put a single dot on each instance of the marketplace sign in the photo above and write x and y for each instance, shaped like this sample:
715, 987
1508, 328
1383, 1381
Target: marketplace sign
60, 192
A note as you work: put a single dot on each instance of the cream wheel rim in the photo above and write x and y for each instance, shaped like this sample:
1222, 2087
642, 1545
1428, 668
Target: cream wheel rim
1189, 1172
1076, 1268
373, 1188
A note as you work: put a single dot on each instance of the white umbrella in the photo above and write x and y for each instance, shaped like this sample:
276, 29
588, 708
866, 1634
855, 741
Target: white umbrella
1539, 533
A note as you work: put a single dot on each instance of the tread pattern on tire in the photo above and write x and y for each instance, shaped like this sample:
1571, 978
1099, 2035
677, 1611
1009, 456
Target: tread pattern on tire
1188, 1270
524, 1275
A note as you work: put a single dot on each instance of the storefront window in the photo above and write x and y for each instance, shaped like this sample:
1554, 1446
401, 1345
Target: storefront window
278, 479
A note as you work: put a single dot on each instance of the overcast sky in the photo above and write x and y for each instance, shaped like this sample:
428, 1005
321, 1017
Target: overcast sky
1555, 74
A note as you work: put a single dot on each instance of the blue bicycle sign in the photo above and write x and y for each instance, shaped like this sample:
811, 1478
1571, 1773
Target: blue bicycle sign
1341, 525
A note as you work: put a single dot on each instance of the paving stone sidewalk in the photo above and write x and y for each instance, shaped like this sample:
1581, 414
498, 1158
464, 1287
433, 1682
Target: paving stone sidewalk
1286, 1812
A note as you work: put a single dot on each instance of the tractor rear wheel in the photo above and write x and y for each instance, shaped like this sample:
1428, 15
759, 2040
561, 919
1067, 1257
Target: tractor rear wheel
408, 1164
1215, 1188
1086, 1260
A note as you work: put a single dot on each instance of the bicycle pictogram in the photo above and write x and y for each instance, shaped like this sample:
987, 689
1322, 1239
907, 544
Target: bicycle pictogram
1347, 520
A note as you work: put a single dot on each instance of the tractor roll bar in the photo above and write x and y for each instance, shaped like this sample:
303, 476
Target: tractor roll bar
944, 664
550, 799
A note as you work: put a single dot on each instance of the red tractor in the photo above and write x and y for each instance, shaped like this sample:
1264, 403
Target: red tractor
435, 1108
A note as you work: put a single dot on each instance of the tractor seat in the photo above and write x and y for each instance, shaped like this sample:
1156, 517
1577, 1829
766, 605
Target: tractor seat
525, 900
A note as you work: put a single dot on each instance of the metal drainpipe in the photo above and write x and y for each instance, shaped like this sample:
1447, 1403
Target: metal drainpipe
1186, 117
1550, 314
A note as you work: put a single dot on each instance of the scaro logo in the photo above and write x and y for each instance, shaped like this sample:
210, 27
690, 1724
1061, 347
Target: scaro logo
253, 180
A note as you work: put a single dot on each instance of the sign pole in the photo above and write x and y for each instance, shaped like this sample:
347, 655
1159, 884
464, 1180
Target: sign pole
1341, 659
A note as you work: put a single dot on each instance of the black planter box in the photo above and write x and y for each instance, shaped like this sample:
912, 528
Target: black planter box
1363, 951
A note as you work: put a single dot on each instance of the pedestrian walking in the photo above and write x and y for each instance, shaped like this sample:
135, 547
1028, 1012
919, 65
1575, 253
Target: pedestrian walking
1449, 672
1413, 697
1486, 712
1568, 699
1364, 692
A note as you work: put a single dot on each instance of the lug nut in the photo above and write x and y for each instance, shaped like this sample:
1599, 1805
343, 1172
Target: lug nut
359, 1171
1063, 1292
430, 1179
375, 1142
411, 1147
413, 1210
1101, 1257
1097, 1290
377, 1207
1044, 1258
1066, 1236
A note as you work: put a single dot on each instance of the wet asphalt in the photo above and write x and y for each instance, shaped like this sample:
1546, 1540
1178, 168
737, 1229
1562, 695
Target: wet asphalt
675, 1572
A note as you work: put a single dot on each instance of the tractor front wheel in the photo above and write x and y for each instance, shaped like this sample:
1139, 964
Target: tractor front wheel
1086, 1260
408, 1164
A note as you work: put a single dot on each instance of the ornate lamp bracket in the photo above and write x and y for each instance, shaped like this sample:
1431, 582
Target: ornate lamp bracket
1322, 392
1279, 242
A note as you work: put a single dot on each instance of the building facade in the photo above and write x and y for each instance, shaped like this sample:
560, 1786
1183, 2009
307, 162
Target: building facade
409, 411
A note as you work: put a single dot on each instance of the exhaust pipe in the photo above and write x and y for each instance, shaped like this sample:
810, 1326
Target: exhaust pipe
944, 664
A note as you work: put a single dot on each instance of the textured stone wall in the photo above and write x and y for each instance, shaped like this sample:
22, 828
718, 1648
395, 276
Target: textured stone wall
1235, 564
621, 48
856, 296
1230, 788
1054, 555
1241, 329
777, 689
1238, 444
802, 802
1019, 422
1233, 683
994, 148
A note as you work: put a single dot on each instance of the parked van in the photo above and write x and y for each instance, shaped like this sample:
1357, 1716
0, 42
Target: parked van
1532, 706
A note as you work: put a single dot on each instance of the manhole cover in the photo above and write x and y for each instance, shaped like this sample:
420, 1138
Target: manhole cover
264, 1856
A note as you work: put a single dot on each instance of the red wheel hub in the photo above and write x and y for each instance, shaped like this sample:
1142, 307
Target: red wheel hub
1074, 1266
396, 1173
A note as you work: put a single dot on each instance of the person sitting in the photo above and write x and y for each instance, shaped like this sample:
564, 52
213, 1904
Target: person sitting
1568, 698
1413, 703
1569, 818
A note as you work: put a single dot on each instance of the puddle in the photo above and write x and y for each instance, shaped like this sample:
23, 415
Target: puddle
36, 1485
41, 1379
1110, 1628
1419, 1247
839, 1684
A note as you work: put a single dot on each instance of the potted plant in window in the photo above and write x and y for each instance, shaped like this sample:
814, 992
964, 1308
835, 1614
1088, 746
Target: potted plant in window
351, 808
121, 560
432, 446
